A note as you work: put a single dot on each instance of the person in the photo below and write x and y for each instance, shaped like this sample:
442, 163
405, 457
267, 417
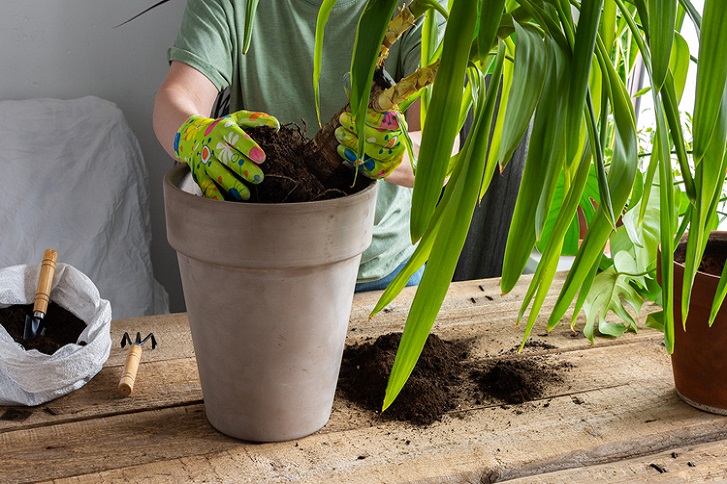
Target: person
270, 83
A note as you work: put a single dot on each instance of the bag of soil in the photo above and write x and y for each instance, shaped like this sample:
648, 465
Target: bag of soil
29, 377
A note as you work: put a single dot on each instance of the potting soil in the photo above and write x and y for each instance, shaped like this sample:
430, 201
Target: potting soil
62, 327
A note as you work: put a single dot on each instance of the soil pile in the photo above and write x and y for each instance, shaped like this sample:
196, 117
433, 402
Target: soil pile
430, 391
445, 378
61, 327
518, 380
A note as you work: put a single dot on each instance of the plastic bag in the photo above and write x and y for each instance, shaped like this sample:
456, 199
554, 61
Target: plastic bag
31, 377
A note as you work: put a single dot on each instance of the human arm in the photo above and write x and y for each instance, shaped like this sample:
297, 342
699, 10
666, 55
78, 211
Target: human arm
183, 93
219, 152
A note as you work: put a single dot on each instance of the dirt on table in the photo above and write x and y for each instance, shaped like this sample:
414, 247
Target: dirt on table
444, 379
61, 327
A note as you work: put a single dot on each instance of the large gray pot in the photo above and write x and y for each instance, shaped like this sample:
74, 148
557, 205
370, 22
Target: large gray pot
268, 290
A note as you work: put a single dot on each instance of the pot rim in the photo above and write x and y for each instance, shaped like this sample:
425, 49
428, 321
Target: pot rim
174, 177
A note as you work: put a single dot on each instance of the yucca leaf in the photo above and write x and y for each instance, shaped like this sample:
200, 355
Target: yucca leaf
585, 42
440, 129
528, 79
369, 35
323, 15
662, 20
450, 239
540, 173
679, 63
490, 15
710, 134
711, 75
621, 175
249, 21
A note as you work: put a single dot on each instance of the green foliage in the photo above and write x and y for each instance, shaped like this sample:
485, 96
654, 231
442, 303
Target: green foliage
567, 77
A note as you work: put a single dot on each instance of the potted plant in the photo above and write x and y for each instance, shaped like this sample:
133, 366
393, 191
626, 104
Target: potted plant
555, 65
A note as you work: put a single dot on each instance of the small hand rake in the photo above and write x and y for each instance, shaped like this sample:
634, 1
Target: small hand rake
133, 358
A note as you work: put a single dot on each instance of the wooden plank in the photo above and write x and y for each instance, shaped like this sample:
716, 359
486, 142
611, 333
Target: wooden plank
453, 452
694, 464
608, 408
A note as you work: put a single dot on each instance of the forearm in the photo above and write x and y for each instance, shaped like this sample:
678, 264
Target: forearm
184, 92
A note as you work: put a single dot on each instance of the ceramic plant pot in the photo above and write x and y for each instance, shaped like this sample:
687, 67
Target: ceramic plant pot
698, 361
268, 290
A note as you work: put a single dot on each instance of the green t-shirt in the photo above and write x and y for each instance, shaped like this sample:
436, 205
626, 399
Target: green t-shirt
275, 76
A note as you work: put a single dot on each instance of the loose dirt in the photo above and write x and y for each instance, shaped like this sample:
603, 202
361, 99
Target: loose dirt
445, 378
62, 327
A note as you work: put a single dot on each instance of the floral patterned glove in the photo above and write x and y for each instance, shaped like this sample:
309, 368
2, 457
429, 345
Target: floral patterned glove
220, 153
384, 149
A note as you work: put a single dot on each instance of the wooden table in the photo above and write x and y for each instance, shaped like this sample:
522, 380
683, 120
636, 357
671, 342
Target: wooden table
615, 417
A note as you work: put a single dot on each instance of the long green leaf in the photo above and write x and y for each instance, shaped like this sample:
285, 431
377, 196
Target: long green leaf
323, 15
370, 33
585, 42
450, 239
440, 130
528, 80
662, 20
540, 173
249, 21
710, 135
711, 75
490, 15
621, 176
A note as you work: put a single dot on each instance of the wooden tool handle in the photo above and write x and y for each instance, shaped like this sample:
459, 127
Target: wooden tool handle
133, 358
45, 281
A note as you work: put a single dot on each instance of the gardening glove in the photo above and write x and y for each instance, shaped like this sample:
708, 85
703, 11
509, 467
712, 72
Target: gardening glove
220, 153
383, 150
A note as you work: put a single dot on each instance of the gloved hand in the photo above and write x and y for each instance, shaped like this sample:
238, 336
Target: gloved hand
384, 149
218, 151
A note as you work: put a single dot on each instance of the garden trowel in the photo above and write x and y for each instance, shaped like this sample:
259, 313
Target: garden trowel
34, 324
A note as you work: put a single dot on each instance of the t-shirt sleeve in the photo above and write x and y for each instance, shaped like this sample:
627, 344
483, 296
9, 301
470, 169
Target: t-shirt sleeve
205, 40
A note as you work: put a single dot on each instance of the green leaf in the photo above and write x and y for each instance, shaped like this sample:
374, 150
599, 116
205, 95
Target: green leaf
711, 76
370, 33
528, 80
541, 171
249, 21
323, 15
662, 20
609, 291
455, 219
490, 16
440, 128
585, 42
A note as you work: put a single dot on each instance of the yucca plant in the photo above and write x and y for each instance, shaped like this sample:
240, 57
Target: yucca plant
557, 65
561, 67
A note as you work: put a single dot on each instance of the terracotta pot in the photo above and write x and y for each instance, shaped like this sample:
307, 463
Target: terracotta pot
698, 361
268, 290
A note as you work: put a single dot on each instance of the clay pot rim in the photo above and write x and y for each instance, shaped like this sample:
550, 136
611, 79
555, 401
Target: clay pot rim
174, 177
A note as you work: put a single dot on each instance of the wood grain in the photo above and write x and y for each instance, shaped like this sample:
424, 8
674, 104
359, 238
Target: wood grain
614, 414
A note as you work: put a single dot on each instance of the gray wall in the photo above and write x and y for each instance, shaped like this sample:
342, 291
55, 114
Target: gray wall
68, 49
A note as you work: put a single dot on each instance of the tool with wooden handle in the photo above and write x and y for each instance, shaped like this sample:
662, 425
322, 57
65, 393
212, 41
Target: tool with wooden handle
35, 324
133, 358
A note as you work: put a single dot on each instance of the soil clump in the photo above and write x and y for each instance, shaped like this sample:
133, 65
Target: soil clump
61, 327
714, 256
295, 171
444, 379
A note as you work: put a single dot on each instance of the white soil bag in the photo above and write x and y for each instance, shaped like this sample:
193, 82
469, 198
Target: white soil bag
31, 377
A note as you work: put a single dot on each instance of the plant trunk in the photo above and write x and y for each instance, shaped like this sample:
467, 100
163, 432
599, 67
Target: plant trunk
322, 155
